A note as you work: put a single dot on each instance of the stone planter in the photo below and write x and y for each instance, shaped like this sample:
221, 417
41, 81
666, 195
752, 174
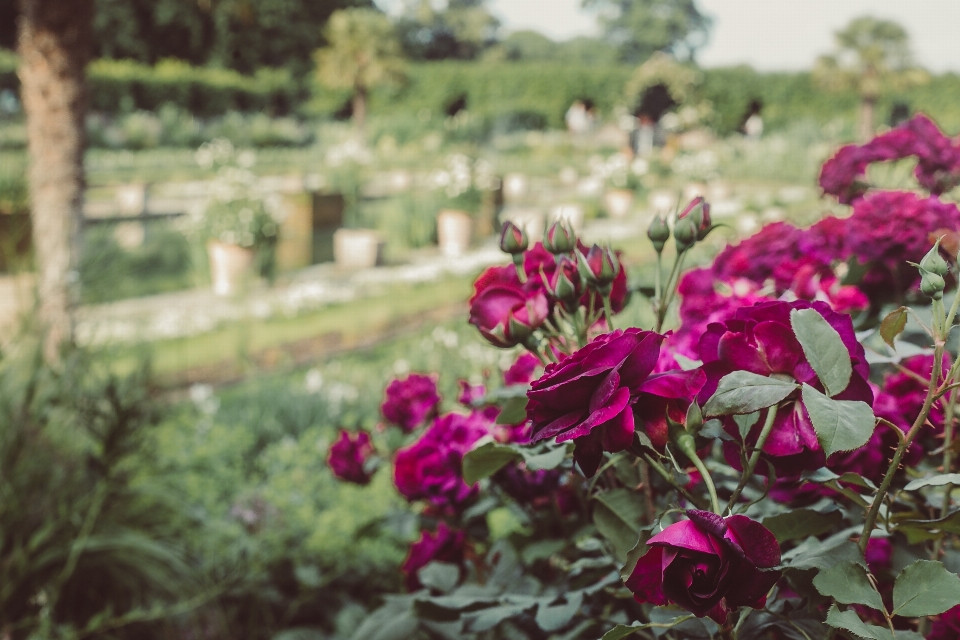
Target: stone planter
357, 248
454, 232
618, 202
231, 267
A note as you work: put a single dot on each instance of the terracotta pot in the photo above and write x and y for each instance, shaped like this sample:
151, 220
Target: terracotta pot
231, 267
454, 232
618, 202
356, 248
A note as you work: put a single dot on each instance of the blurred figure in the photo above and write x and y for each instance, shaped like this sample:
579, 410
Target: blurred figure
899, 113
752, 126
577, 118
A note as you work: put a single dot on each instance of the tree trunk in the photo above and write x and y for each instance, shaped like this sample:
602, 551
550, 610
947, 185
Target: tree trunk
867, 106
54, 45
360, 108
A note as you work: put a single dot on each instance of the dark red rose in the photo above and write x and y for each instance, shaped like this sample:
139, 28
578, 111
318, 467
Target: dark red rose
445, 545
946, 626
348, 456
760, 339
410, 402
505, 311
522, 371
708, 565
431, 468
587, 396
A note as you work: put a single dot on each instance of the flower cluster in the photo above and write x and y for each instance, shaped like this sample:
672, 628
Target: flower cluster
409, 402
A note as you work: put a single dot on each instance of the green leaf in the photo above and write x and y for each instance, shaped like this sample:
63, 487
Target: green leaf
925, 588
554, 617
515, 411
893, 325
620, 631
801, 523
850, 621
745, 423
847, 583
552, 459
824, 349
633, 556
935, 481
441, 576
743, 392
823, 554
617, 515
487, 619
841, 425
541, 550
919, 530
485, 460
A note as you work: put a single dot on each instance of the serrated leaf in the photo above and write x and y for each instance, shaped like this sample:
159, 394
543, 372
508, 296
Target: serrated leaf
919, 530
823, 554
841, 425
850, 621
485, 460
893, 325
935, 481
441, 576
551, 459
514, 411
745, 423
847, 583
743, 392
620, 631
925, 588
801, 523
824, 349
618, 516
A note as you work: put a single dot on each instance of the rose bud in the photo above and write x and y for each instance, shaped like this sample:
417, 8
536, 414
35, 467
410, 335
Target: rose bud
934, 262
685, 233
348, 456
563, 284
708, 565
599, 267
507, 315
513, 239
659, 233
409, 402
932, 285
560, 238
698, 211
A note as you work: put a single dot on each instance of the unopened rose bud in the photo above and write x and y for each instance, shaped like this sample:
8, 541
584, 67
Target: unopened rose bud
659, 233
685, 234
564, 284
599, 267
932, 285
698, 211
933, 262
560, 238
513, 239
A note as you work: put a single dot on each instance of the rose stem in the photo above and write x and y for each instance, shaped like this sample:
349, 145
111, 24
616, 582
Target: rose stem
607, 309
657, 284
953, 312
686, 444
754, 457
666, 475
871, 519
670, 290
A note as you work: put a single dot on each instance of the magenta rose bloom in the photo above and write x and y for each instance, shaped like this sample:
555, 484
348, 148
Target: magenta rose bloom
760, 339
408, 403
431, 468
445, 545
946, 626
757, 257
587, 396
708, 565
348, 456
505, 311
522, 371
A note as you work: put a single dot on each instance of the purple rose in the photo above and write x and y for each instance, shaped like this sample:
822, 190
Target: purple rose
587, 396
760, 339
431, 468
408, 403
348, 456
522, 371
757, 257
946, 626
708, 565
901, 397
445, 545
535, 488
470, 393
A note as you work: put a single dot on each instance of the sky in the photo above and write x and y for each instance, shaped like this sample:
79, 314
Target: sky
769, 35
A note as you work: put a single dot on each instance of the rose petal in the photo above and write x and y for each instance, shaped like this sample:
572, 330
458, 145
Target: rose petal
685, 535
588, 453
778, 346
758, 543
646, 579
674, 384
618, 433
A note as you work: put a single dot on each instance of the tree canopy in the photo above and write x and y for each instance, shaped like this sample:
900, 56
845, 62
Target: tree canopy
462, 29
640, 28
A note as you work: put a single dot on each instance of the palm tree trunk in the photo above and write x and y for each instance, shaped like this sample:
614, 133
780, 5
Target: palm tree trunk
360, 108
54, 44
867, 108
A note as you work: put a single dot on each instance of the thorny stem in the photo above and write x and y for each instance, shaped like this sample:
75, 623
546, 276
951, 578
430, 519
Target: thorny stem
754, 457
872, 514
666, 475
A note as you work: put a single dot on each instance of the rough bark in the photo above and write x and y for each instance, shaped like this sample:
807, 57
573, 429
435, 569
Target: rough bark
54, 44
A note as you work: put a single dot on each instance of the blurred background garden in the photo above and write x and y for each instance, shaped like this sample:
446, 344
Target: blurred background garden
281, 205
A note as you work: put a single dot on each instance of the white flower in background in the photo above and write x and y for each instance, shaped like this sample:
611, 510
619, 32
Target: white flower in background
247, 159
314, 381
204, 399
401, 367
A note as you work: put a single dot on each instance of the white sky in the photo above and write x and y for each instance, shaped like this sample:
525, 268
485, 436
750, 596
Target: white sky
768, 34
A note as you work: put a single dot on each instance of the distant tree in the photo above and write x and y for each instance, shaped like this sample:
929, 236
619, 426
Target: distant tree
523, 45
640, 28
363, 53
54, 43
873, 56
462, 29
